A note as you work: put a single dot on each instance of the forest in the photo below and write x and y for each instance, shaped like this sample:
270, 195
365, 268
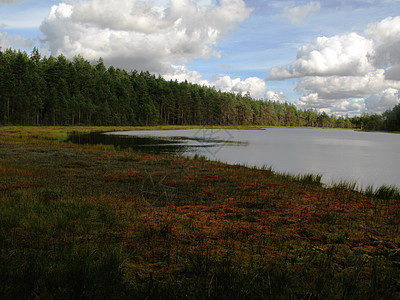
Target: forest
36, 90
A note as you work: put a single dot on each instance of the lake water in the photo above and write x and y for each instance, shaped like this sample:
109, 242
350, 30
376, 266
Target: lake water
362, 157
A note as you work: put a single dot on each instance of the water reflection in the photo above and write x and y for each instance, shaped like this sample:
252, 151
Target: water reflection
137, 143
149, 144
364, 158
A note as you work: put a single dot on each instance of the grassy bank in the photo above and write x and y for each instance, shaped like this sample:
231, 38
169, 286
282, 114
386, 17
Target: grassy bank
93, 222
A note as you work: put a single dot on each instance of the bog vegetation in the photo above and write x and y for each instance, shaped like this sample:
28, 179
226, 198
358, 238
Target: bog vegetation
91, 222
96, 222
57, 91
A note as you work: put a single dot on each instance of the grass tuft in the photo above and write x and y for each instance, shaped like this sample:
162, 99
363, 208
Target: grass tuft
345, 185
310, 179
198, 157
386, 192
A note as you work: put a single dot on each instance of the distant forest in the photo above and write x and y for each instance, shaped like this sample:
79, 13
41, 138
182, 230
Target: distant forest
58, 91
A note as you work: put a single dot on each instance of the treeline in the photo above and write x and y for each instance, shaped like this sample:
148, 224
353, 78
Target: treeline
58, 91
388, 121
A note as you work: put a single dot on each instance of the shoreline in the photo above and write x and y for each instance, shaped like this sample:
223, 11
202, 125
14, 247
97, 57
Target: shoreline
135, 225
339, 182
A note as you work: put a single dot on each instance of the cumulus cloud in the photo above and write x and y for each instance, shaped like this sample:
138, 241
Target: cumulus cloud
144, 36
386, 35
375, 103
348, 73
255, 86
340, 107
225, 83
381, 102
298, 14
104, 15
344, 55
14, 41
180, 73
342, 87
139, 34
276, 96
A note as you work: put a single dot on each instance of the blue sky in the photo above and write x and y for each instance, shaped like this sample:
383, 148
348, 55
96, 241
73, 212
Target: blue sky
340, 57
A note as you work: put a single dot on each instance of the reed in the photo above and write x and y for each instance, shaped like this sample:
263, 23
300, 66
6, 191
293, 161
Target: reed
345, 185
386, 192
309, 178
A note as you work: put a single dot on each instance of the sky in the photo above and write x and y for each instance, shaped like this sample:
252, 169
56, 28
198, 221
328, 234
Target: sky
334, 56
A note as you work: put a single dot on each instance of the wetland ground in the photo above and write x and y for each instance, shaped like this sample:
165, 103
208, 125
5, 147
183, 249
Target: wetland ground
95, 221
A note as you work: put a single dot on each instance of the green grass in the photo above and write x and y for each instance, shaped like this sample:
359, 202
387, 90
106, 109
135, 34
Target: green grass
310, 178
387, 193
59, 247
345, 185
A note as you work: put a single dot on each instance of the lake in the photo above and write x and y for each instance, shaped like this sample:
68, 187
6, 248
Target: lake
367, 158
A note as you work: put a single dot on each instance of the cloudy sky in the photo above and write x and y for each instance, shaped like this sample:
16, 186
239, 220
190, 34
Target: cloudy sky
337, 56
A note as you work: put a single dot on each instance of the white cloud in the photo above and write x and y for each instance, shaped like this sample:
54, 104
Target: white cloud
340, 107
331, 94
344, 55
254, 85
386, 35
298, 14
381, 102
309, 101
139, 34
276, 97
225, 83
138, 16
14, 41
342, 87
350, 107
181, 73
160, 38
373, 104
348, 73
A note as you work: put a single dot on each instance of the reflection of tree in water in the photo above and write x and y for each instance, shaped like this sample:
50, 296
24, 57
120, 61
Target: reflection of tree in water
137, 143
210, 139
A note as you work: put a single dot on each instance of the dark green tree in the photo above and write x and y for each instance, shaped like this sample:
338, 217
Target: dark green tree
392, 118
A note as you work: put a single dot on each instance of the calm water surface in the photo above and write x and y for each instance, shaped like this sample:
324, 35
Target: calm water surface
337, 154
